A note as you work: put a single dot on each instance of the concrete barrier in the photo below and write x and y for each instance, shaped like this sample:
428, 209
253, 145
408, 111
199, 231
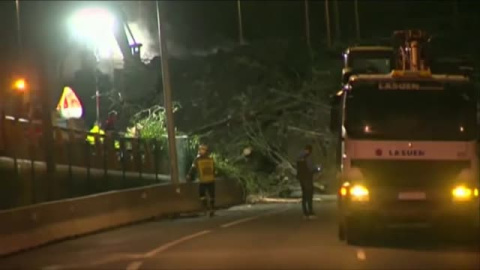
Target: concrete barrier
32, 185
31, 226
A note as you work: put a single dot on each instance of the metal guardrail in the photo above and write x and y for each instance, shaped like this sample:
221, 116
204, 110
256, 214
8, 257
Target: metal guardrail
110, 162
21, 139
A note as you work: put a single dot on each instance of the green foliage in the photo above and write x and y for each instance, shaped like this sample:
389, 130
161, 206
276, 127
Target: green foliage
193, 143
191, 151
254, 182
149, 124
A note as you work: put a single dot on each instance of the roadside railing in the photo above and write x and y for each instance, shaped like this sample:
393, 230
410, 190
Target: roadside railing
85, 163
111, 151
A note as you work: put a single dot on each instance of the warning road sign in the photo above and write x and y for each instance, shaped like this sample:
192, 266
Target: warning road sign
69, 106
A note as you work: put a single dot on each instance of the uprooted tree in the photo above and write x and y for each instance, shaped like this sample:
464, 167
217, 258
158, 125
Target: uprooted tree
256, 106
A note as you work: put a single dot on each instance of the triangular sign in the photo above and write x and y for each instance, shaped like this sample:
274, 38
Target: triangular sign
69, 106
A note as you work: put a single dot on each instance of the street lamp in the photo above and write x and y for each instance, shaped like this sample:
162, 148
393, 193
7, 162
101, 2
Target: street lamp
20, 85
95, 28
21, 96
240, 23
19, 29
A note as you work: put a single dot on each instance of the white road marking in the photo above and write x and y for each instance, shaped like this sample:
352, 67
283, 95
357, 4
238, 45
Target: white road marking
168, 245
137, 264
243, 220
240, 221
134, 265
361, 256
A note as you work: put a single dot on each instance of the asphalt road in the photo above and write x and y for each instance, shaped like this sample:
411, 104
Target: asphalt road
266, 236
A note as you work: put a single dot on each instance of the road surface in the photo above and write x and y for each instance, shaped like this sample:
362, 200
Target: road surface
263, 236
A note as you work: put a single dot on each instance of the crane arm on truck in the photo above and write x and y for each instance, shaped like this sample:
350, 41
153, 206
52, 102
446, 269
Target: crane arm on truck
412, 49
126, 41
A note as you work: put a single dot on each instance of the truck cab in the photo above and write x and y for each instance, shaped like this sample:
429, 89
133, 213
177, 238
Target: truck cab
407, 141
408, 155
367, 60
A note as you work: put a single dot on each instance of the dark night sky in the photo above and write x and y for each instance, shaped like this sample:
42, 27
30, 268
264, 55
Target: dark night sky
203, 21
200, 23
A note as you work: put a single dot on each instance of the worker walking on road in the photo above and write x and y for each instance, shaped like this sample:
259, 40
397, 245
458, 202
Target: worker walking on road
203, 165
305, 172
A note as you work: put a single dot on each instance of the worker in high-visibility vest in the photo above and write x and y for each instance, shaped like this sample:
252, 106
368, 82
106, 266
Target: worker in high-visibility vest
95, 130
205, 168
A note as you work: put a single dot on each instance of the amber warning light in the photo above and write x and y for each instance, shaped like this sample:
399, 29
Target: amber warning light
20, 85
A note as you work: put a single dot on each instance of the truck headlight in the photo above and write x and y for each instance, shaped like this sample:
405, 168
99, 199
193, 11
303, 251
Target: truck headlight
462, 193
359, 193
344, 189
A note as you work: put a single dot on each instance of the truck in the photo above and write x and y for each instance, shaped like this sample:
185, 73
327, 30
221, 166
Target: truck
407, 149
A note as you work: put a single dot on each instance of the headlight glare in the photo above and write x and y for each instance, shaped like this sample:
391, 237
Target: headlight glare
344, 189
462, 193
359, 193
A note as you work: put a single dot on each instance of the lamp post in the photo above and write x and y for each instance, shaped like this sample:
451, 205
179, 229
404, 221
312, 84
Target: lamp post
19, 32
167, 95
19, 57
357, 19
336, 10
95, 27
307, 26
327, 24
97, 100
240, 23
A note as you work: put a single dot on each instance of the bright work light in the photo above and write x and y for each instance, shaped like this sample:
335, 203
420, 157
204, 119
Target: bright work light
95, 26
20, 85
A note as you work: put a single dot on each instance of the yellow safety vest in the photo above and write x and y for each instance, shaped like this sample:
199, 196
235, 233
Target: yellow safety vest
95, 130
117, 144
205, 169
